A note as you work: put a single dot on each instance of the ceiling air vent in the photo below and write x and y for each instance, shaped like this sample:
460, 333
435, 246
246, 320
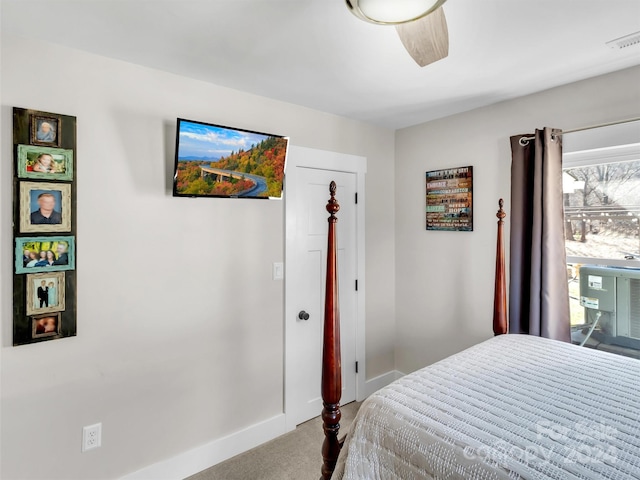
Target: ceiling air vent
624, 42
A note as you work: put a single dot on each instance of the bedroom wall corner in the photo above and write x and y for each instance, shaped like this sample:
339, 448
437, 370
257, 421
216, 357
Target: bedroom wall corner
444, 280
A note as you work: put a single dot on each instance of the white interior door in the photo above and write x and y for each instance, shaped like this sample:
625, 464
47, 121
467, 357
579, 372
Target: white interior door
305, 278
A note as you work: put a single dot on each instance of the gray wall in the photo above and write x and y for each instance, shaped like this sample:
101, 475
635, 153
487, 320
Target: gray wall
444, 280
180, 326
162, 357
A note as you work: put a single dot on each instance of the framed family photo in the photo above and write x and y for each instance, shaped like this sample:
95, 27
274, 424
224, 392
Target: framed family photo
45, 207
44, 226
45, 293
47, 325
45, 163
45, 130
44, 254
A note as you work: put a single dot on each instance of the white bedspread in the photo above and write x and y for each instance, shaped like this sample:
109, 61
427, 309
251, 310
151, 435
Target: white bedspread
515, 406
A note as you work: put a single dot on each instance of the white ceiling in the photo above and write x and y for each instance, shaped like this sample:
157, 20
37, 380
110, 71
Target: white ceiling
315, 53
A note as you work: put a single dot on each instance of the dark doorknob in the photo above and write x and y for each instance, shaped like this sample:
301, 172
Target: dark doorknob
303, 315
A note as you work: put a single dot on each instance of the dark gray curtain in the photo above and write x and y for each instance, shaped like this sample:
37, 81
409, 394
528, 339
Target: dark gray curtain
538, 290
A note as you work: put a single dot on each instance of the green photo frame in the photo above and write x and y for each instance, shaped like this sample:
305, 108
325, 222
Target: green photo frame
63, 248
45, 163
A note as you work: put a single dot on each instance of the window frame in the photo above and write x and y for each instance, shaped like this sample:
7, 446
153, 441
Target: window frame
601, 156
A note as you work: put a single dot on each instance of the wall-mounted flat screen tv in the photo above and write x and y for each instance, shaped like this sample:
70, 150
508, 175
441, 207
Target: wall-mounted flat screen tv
217, 161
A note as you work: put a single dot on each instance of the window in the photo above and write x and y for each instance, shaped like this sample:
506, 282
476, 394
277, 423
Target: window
601, 186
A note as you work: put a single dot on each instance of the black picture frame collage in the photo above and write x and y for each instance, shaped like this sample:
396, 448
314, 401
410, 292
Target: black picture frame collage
44, 226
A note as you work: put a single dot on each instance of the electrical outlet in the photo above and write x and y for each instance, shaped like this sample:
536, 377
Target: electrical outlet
91, 437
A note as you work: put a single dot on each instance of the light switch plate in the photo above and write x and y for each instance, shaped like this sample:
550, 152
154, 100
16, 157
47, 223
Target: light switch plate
278, 270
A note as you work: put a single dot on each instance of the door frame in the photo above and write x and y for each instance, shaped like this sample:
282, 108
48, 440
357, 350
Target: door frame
322, 160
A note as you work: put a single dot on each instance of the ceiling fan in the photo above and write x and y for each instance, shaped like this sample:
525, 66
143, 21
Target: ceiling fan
421, 24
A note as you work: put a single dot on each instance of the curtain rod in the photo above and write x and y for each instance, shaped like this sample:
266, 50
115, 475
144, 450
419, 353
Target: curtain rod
525, 140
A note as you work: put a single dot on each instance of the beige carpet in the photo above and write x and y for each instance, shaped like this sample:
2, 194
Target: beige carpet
293, 456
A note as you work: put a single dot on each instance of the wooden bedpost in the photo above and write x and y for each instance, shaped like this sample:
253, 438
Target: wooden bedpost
331, 363
500, 294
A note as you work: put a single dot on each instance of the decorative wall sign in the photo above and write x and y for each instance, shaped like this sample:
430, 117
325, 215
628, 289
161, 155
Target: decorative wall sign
450, 199
44, 200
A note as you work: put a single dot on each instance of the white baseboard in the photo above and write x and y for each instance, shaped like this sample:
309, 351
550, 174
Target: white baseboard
212, 453
205, 456
376, 383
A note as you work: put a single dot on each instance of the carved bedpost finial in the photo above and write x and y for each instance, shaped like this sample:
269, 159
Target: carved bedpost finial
501, 214
332, 205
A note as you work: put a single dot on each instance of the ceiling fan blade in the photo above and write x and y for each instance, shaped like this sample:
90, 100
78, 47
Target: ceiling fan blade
426, 39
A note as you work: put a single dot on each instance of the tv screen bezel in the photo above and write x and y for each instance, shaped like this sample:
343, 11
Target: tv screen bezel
229, 128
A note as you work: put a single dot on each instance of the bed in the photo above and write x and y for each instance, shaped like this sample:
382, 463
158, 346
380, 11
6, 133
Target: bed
512, 407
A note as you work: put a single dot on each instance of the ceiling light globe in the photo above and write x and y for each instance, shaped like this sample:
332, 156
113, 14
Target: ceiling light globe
392, 12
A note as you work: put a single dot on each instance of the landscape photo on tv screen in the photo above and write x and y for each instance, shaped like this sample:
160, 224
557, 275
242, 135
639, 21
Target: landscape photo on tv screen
217, 161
